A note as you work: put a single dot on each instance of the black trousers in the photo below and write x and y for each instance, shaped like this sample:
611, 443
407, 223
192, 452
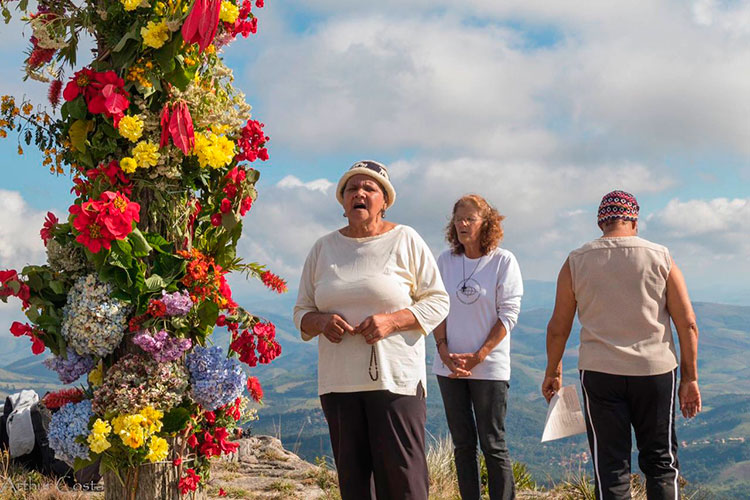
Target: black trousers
614, 403
478, 407
378, 444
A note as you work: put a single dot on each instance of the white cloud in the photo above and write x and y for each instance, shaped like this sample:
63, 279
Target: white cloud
20, 243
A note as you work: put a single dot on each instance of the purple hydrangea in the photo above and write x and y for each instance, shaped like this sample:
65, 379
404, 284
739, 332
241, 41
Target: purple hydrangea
71, 367
178, 303
71, 421
161, 346
216, 380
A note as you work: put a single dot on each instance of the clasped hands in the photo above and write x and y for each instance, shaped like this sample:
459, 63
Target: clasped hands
460, 364
372, 328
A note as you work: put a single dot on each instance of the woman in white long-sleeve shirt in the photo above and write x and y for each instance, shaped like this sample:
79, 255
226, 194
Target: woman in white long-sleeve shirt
473, 343
371, 291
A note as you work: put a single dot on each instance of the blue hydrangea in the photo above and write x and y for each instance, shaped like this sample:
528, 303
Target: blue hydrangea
93, 322
215, 379
69, 422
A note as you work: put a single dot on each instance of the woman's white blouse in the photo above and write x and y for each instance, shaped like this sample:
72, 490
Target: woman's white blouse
359, 277
482, 291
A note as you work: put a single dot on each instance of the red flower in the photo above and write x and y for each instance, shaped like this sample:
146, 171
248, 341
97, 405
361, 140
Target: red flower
252, 142
156, 308
181, 127
20, 329
247, 202
244, 345
259, 4
164, 122
55, 400
111, 98
210, 417
189, 482
54, 93
222, 493
201, 23
177, 461
255, 389
221, 435
38, 54
221, 320
93, 234
216, 220
273, 282
209, 447
192, 441
49, 225
80, 84
12, 286
226, 206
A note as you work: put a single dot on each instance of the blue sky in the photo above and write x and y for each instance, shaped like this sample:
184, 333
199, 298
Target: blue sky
541, 107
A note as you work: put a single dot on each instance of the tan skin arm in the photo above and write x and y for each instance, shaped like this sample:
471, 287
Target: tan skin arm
683, 316
558, 331
441, 339
373, 328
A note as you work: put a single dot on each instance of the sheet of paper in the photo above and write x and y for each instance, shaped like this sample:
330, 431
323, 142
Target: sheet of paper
564, 415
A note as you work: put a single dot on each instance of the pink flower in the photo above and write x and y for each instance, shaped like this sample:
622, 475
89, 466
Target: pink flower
201, 23
179, 126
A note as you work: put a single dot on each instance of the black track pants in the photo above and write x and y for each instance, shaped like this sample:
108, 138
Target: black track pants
614, 403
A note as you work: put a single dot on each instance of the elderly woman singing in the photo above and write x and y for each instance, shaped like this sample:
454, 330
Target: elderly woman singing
370, 292
473, 344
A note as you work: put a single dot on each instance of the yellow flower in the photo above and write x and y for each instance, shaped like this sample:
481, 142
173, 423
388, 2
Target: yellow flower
130, 429
229, 12
130, 4
98, 443
128, 165
153, 419
157, 449
96, 375
131, 128
155, 34
213, 150
101, 427
146, 154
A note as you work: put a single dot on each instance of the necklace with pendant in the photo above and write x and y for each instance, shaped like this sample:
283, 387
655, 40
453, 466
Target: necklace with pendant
467, 291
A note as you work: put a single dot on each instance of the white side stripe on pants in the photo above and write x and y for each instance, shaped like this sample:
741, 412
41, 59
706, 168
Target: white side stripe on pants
595, 451
669, 429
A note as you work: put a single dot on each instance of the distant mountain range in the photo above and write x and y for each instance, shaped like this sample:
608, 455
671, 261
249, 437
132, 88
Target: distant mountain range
716, 444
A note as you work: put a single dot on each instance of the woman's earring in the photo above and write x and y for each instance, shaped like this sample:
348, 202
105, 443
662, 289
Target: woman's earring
382, 214
344, 214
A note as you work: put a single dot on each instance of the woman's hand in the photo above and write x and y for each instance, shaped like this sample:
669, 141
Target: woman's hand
465, 362
690, 398
376, 327
551, 386
445, 357
335, 327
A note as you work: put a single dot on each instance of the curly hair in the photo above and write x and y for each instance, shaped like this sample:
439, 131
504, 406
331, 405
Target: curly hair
492, 228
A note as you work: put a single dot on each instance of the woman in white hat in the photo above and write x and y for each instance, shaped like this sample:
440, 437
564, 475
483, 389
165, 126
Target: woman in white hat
370, 292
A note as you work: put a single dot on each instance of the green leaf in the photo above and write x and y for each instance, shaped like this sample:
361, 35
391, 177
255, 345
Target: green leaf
57, 286
77, 108
154, 283
130, 35
175, 420
158, 243
78, 133
141, 248
208, 312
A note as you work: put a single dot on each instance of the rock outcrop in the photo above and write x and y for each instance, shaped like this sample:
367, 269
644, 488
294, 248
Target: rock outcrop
262, 469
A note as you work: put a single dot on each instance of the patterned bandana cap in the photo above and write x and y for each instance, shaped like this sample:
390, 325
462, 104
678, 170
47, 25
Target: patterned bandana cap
618, 205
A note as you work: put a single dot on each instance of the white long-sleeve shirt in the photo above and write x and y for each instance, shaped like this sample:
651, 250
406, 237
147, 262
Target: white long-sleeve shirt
482, 291
359, 277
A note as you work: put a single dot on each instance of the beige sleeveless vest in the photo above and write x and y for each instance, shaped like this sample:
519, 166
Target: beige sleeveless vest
620, 285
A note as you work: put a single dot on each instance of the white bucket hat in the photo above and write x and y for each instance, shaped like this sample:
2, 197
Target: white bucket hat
372, 169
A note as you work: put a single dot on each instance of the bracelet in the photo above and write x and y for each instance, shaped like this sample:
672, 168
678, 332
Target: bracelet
438, 342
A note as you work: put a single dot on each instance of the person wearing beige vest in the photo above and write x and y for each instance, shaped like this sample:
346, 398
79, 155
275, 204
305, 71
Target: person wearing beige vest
625, 290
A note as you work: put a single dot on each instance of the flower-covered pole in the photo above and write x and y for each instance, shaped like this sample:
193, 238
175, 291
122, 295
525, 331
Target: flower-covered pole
159, 145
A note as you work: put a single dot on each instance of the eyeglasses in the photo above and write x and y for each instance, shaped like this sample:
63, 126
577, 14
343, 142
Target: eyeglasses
467, 220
